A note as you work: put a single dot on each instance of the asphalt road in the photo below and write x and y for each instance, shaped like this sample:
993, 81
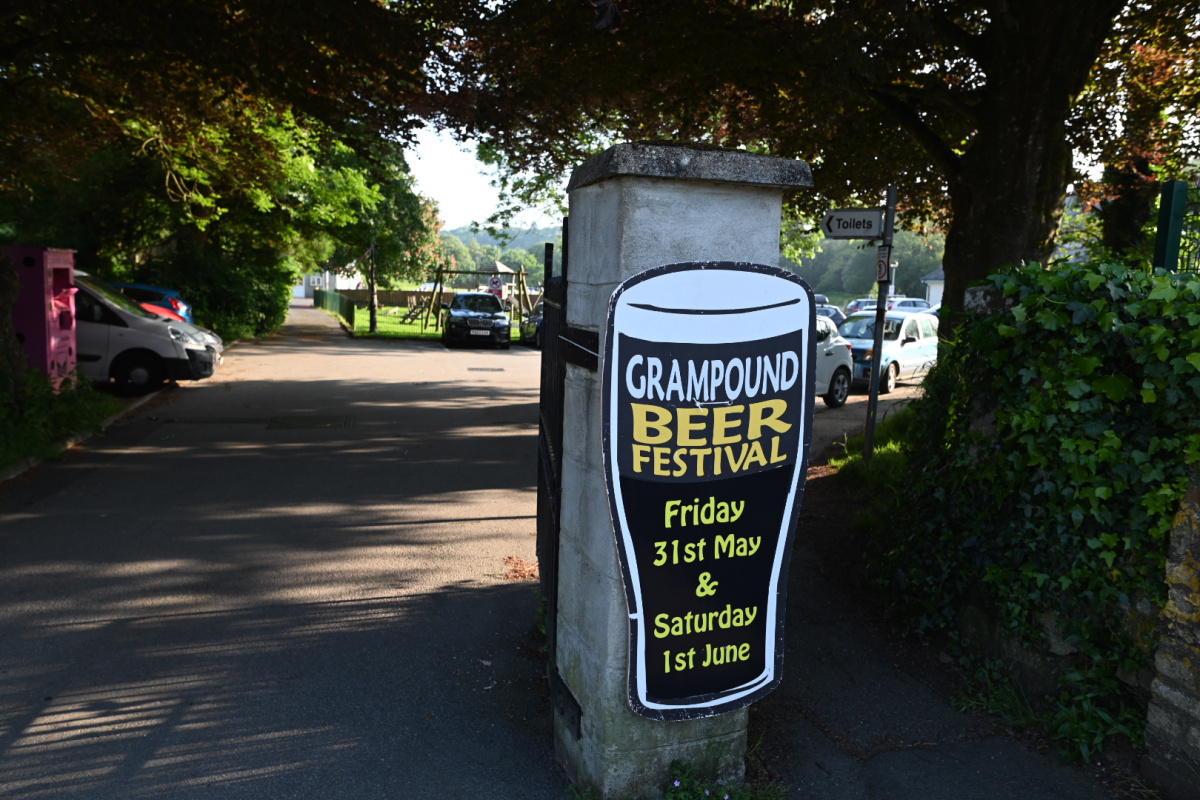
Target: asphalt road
287, 581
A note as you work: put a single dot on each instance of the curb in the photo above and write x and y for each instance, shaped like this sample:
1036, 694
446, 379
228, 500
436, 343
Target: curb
21, 467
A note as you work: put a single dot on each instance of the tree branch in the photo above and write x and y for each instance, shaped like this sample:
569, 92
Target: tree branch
968, 43
943, 156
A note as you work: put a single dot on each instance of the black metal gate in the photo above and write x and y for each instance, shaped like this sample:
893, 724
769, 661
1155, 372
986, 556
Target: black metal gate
561, 345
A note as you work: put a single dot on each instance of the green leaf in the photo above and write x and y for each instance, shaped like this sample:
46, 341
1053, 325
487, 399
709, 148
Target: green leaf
1086, 365
1163, 291
1115, 387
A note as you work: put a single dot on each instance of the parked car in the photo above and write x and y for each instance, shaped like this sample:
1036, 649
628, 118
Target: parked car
834, 364
900, 303
833, 313
162, 312
909, 346
118, 340
158, 296
476, 317
531, 327
861, 304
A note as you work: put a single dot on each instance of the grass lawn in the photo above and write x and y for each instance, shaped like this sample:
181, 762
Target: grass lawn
390, 325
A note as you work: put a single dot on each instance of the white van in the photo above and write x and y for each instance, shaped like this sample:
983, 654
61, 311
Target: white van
117, 339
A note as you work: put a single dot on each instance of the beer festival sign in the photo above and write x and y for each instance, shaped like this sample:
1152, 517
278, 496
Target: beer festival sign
708, 408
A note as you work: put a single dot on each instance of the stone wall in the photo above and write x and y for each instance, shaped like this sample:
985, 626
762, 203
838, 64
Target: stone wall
1172, 759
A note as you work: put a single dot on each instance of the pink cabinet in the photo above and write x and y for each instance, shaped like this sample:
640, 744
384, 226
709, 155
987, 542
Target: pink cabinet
44, 316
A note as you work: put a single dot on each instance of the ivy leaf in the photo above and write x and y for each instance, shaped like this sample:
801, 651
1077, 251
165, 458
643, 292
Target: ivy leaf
1076, 389
1193, 359
1163, 291
1115, 387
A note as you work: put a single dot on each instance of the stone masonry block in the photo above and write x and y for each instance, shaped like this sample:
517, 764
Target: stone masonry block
587, 306
586, 526
1170, 769
1179, 701
586, 595
1160, 718
1176, 668
642, 223
596, 678
582, 416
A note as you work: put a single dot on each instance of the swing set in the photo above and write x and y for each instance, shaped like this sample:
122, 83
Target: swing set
432, 307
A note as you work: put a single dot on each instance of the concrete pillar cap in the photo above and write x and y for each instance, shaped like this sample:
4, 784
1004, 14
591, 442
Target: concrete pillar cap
692, 162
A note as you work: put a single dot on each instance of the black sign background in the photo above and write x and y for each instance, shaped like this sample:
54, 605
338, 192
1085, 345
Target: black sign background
705, 476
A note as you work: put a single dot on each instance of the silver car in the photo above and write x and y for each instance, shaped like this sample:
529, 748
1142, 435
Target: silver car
910, 346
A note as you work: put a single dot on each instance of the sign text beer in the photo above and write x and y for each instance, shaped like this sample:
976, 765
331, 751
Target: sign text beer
707, 417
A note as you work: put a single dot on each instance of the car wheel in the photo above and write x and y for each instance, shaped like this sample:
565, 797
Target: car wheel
889, 379
537, 340
839, 389
138, 373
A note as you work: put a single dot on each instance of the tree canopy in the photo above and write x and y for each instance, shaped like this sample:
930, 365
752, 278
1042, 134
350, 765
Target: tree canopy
217, 146
972, 108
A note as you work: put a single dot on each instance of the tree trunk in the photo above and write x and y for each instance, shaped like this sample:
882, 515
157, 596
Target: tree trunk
13, 364
1123, 217
1007, 208
1008, 189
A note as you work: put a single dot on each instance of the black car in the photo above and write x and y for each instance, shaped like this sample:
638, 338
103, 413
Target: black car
476, 317
833, 312
531, 328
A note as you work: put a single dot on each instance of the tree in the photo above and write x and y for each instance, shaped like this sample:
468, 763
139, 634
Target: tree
965, 105
1145, 88
189, 84
394, 233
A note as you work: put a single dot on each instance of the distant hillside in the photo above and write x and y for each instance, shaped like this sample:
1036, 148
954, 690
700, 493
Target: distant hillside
523, 239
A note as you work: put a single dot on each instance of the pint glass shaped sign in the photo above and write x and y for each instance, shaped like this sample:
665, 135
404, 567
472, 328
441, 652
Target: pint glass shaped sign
708, 407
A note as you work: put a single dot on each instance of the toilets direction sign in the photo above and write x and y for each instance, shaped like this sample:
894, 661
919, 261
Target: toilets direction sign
852, 223
708, 408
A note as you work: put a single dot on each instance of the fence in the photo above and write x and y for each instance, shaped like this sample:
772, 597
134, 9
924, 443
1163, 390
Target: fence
337, 304
1177, 244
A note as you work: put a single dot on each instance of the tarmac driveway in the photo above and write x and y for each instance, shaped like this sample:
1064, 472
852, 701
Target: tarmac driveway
288, 581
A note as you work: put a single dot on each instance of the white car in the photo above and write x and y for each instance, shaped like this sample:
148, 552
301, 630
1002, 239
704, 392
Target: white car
900, 303
910, 346
834, 365
116, 339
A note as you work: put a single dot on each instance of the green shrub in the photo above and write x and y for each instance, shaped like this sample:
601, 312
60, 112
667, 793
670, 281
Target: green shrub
239, 295
35, 423
1050, 452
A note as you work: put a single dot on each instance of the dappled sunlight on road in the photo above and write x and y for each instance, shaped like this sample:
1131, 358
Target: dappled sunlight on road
283, 580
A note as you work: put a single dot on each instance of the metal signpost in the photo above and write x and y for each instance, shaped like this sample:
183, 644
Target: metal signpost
883, 275
870, 223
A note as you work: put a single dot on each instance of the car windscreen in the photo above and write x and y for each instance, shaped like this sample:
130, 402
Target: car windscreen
113, 296
481, 303
864, 328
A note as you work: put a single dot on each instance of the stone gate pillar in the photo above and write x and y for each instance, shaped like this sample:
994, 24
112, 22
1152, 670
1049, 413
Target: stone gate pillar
1172, 761
634, 207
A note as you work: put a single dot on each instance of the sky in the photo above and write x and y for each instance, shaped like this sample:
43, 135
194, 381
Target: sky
449, 173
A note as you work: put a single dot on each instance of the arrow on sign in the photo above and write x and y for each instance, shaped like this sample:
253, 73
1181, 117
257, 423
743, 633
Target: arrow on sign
853, 223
